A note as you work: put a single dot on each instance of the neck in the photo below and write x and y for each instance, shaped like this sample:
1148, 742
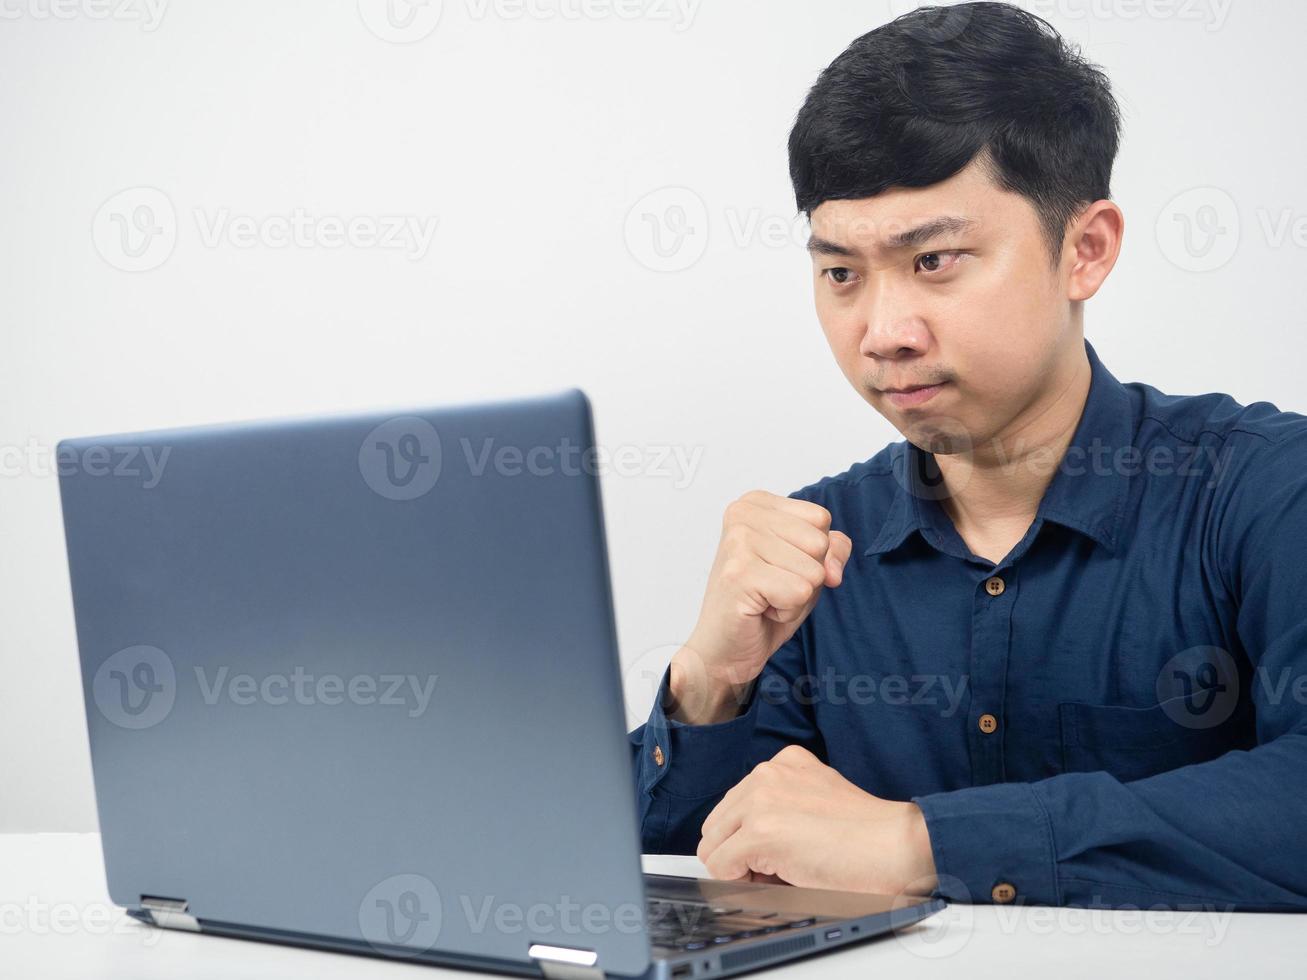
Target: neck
1000, 484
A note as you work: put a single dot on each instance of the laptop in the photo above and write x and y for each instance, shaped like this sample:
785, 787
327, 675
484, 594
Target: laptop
352, 683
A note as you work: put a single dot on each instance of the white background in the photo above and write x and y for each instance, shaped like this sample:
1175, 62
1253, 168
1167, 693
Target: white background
530, 132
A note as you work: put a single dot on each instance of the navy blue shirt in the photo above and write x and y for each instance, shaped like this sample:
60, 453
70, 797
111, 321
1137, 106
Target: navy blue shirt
1114, 714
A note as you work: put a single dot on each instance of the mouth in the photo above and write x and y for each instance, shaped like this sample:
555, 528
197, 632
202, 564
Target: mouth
914, 395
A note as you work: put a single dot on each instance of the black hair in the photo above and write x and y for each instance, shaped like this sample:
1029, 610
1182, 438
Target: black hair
914, 101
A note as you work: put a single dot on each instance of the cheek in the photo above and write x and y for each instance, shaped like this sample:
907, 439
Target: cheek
1000, 379
1013, 297
998, 324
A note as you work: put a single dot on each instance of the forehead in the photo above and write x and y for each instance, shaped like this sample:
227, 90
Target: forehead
968, 203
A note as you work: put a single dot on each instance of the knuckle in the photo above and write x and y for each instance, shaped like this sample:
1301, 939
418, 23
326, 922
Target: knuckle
732, 570
792, 752
813, 543
819, 517
763, 827
736, 536
801, 593
734, 512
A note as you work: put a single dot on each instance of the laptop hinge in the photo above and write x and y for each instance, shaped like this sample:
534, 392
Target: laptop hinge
566, 963
169, 913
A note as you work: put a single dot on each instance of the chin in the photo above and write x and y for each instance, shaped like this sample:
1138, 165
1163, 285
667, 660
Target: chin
943, 437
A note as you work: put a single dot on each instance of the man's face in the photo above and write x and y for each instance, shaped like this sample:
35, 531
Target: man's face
974, 307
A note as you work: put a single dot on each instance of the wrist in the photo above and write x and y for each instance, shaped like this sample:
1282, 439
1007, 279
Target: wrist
696, 696
920, 875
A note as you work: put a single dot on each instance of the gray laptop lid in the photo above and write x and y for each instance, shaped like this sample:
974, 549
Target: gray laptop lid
357, 678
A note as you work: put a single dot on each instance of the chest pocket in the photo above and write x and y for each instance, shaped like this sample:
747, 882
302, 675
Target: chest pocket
1131, 743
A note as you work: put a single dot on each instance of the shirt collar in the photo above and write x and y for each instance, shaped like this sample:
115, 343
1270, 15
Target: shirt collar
1087, 492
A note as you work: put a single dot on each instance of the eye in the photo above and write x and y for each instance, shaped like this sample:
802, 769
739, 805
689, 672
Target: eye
840, 276
935, 261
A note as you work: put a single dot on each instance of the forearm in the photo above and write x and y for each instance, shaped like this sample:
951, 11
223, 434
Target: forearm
1226, 834
682, 770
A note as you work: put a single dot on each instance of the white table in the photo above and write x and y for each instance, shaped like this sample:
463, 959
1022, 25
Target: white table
56, 922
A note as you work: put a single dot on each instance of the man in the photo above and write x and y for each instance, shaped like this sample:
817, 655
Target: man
1052, 646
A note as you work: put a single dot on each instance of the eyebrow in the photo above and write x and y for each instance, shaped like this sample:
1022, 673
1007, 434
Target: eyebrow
912, 237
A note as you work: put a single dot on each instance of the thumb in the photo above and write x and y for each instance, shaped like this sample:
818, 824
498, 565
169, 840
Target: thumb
837, 556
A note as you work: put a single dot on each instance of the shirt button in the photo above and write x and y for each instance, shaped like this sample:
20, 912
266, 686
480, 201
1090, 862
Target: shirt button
994, 585
659, 758
1003, 892
987, 724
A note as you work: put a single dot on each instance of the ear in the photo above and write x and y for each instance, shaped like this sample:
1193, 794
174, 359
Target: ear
1093, 241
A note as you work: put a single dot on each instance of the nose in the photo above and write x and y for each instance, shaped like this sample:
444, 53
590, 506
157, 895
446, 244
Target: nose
893, 330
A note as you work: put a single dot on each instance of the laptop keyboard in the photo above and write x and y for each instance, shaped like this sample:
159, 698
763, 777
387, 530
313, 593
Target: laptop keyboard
694, 925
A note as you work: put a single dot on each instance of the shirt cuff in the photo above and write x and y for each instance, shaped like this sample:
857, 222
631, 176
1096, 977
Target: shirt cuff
694, 761
992, 844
